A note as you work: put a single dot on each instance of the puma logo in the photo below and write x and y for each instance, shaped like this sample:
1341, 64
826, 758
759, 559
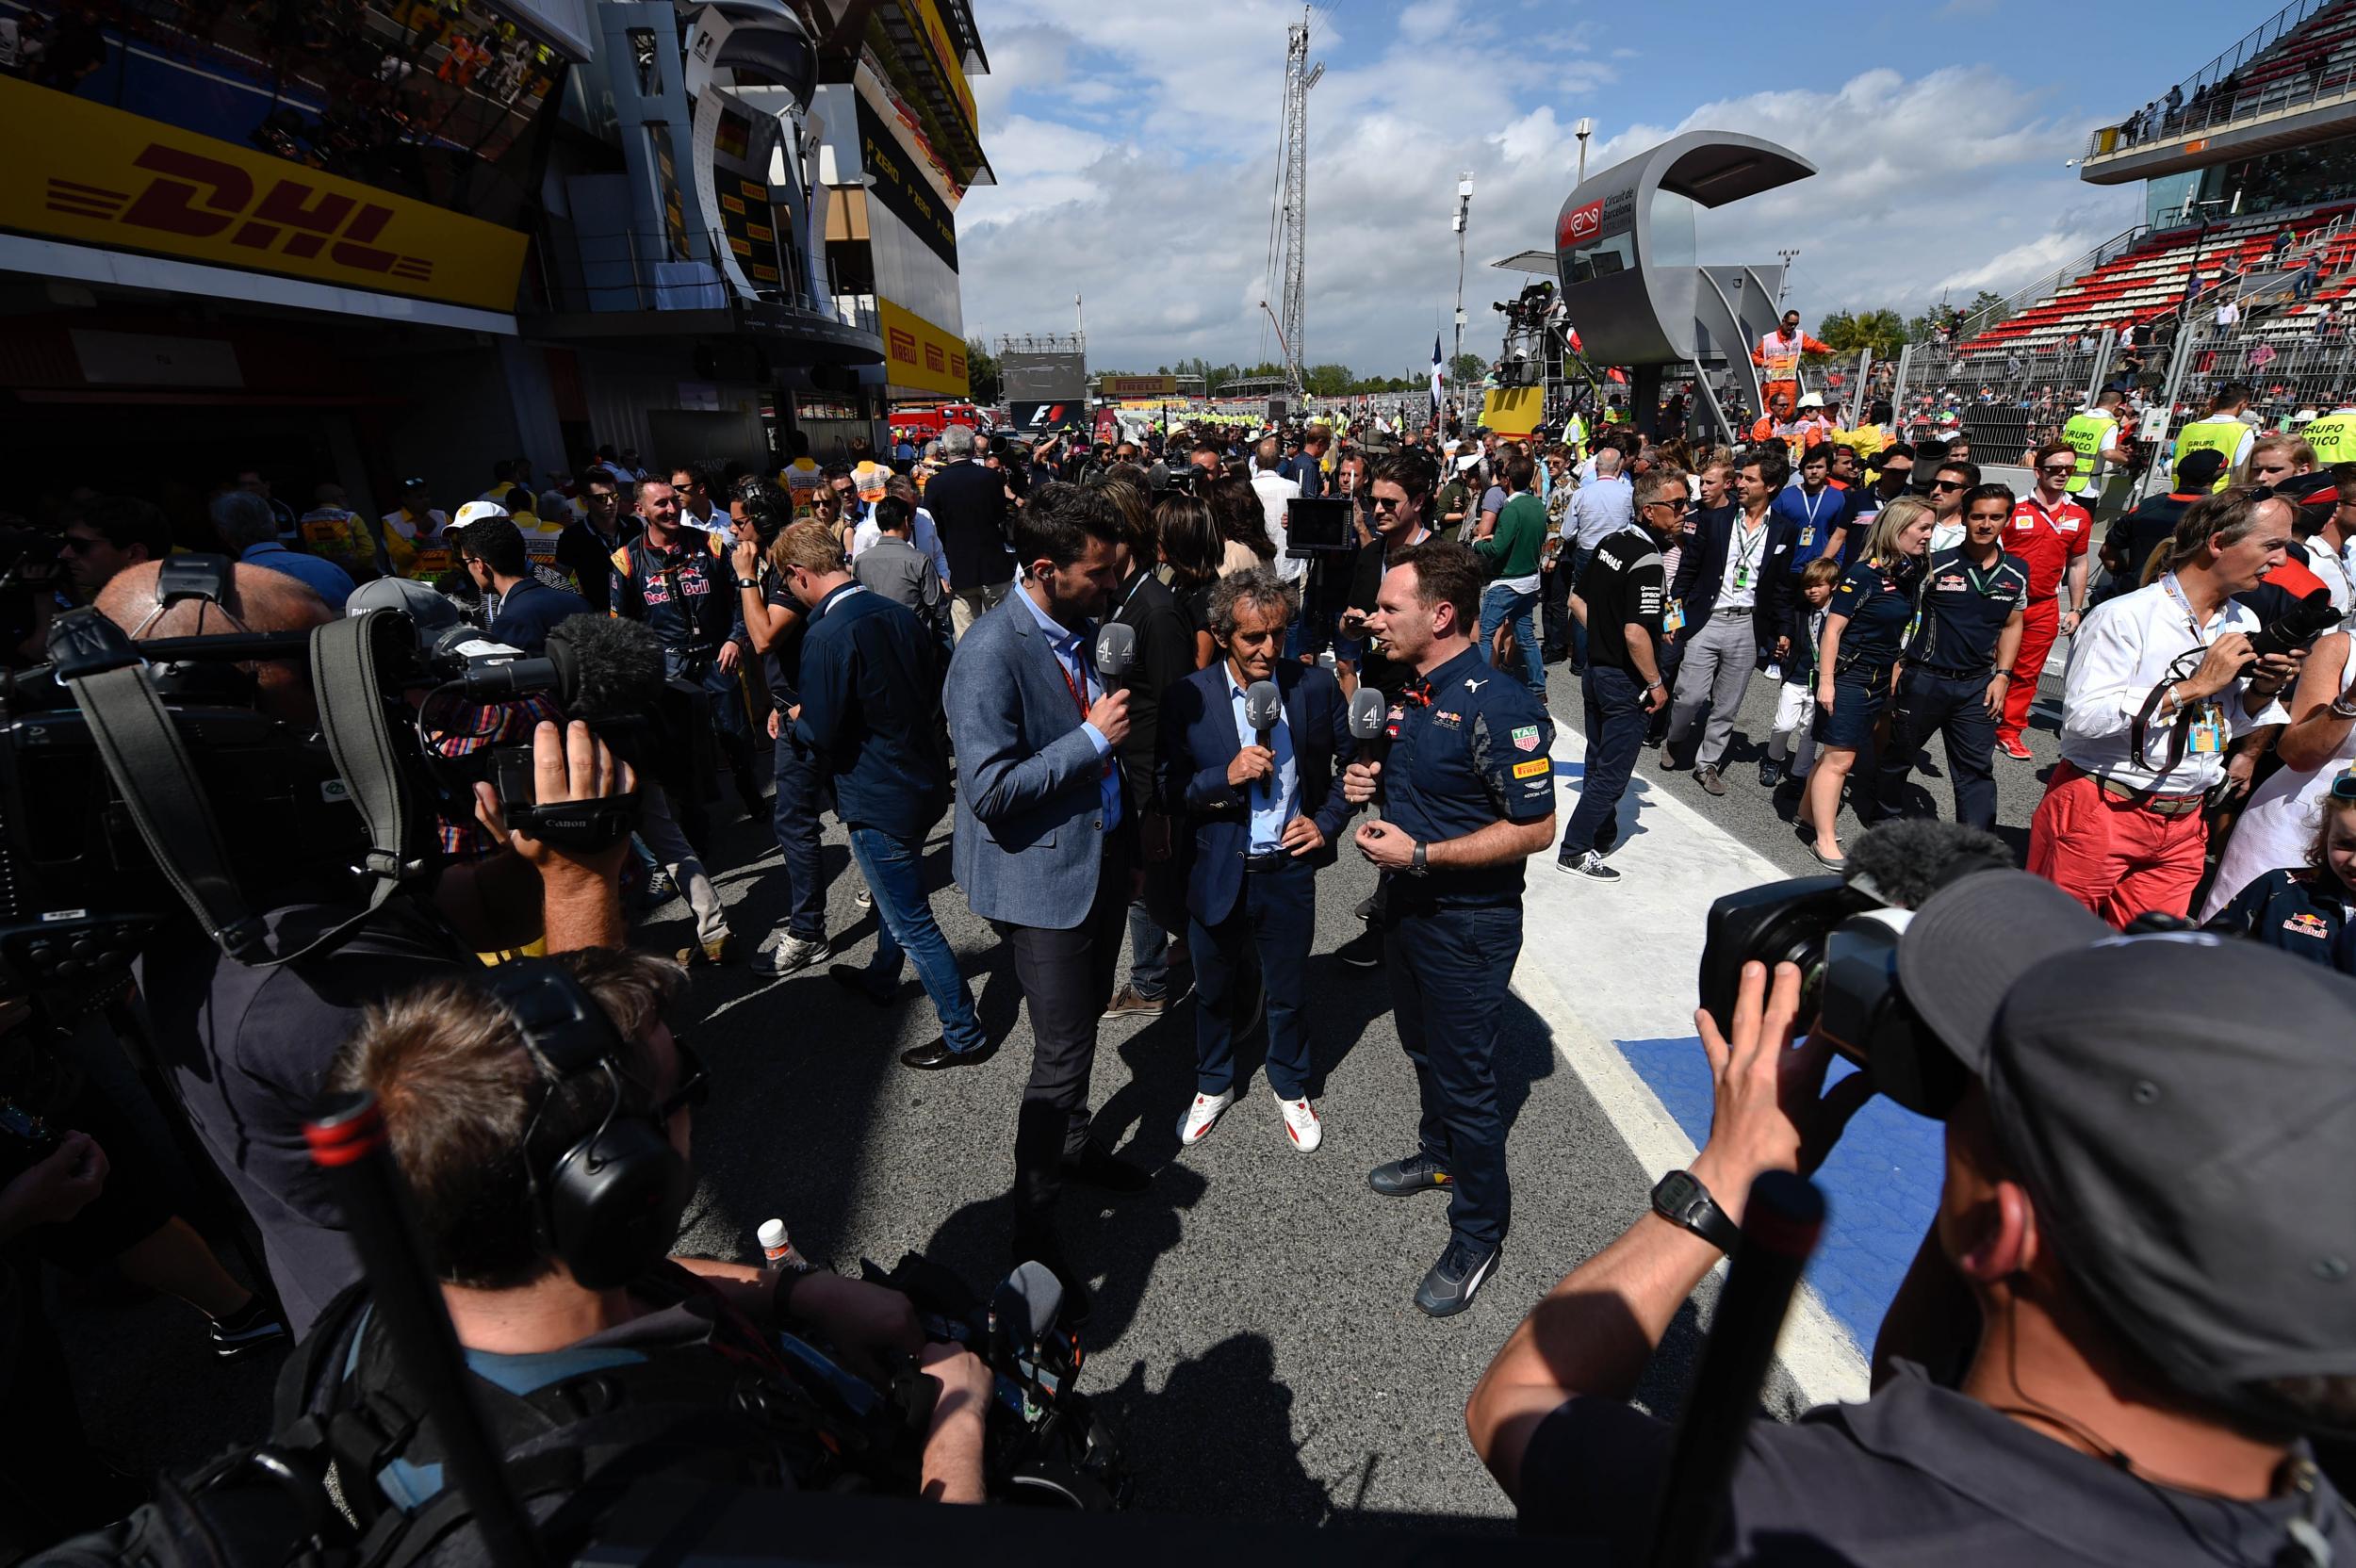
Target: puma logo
1476, 685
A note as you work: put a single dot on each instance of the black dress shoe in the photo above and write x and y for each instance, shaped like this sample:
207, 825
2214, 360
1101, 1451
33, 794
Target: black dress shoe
934, 1053
1097, 1167
852, 977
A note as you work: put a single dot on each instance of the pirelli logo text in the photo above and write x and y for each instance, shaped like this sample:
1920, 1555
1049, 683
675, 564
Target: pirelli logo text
192, 196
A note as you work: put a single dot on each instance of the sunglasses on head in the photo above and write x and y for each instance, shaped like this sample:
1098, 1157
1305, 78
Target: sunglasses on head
2343, 787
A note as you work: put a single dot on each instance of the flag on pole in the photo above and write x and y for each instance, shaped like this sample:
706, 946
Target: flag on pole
1437, 368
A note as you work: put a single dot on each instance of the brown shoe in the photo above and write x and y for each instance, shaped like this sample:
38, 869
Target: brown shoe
1708, 776
1128, 1003
717, 951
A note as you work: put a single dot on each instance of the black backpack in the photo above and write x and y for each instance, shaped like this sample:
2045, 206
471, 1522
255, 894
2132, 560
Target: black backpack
717, 1410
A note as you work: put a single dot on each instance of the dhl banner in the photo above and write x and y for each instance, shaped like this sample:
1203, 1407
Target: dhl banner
926, 18
919, 355
84, 171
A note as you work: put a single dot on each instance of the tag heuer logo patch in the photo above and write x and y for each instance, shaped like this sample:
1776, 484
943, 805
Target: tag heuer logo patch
1526, 737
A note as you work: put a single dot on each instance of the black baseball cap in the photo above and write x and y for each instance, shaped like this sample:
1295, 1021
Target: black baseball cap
2180, 1106
2199, 470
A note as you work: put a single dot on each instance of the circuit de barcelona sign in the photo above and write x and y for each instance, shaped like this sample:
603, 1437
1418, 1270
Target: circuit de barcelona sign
1625, 256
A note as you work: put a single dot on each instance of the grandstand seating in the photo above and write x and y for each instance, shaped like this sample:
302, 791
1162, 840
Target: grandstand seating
2150, 280
2315, 58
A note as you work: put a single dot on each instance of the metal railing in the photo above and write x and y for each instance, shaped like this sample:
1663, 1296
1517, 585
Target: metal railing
2051, 284
615, 274
2215, 97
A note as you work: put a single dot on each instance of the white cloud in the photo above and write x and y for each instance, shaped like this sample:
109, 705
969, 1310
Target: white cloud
1947, 181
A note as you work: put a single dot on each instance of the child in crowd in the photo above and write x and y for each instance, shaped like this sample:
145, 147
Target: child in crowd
1795, 707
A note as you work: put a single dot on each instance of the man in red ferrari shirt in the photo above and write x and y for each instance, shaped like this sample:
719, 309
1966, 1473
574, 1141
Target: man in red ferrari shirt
2051, 532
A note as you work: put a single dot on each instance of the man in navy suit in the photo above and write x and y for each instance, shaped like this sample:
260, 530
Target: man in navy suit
1043, 848
1266, 817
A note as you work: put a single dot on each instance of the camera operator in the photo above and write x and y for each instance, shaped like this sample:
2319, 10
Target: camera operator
248, 1045
2150, 1342
2160, 681
479, 1129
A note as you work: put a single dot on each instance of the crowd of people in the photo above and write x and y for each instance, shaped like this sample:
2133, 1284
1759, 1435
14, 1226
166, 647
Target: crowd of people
1150, 721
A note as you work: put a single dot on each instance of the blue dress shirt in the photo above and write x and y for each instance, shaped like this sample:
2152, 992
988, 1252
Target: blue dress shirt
1273, 801
1067, 646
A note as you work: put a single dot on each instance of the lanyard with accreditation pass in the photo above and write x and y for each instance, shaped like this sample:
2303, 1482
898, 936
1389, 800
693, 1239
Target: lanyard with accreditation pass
2205, 734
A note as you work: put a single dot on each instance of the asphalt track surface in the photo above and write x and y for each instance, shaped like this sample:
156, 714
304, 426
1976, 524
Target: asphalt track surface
1253, 1338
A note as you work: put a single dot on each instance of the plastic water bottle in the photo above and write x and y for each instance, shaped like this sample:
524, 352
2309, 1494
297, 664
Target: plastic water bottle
778, 1248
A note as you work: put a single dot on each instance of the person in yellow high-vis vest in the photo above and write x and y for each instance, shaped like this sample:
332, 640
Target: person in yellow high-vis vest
2093, 434
2222, 430
2334, 436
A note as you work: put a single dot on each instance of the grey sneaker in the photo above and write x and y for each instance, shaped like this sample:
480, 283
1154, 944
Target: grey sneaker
1590, 864
1460, 1272
792, 955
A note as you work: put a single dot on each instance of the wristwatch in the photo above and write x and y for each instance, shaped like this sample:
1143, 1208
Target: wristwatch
1681, 1200
1415, 866
747, 583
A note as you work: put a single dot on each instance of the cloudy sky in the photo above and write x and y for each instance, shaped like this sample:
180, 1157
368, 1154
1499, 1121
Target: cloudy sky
1135, 144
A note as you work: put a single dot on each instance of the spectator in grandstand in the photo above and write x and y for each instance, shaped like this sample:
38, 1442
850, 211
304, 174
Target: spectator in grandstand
2124, 1395
2121, 828
2136, 534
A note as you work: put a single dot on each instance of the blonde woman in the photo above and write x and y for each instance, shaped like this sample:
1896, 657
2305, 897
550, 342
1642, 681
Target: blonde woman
1856, 667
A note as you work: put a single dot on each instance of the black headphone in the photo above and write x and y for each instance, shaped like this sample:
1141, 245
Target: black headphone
610, 1204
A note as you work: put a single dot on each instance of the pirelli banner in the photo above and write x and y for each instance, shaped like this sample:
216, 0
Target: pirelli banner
902, 186
97, 176
919, 355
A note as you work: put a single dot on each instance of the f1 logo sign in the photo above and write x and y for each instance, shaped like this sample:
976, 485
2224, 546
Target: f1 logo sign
1580, 224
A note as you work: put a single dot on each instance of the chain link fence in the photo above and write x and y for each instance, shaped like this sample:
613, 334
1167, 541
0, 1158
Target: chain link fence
2006, 400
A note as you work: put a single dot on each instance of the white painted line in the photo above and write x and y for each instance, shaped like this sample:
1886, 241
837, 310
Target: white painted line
1628, 952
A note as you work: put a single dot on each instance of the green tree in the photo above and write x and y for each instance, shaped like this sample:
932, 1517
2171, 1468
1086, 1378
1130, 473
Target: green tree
981, 371
1328, 381
1468, 367
1848, 331
1995, 306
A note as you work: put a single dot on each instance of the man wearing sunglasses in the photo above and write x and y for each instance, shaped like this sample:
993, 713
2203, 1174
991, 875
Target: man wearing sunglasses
1956, 477
2050, 532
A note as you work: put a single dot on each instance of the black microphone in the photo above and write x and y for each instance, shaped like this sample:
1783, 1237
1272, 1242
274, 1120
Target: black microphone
606, 668
1262, 705
1116, 650
1903, 862
1370, 724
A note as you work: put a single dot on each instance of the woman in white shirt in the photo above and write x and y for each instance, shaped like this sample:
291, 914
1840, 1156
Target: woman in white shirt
2280, 821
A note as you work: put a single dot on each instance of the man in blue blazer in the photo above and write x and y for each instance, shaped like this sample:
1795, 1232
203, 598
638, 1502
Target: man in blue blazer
1266, 816
1043, 849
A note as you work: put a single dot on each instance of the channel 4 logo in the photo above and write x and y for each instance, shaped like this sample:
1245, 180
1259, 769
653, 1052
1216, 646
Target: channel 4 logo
201, 198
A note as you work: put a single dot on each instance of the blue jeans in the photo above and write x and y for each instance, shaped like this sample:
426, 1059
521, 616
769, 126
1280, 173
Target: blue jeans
1273, 919
894, 871
794, 815
1149, 953
1499, 604
1449, 970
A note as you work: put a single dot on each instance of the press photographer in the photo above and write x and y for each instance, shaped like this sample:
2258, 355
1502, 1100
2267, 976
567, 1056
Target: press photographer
2151, 1343
247, 1041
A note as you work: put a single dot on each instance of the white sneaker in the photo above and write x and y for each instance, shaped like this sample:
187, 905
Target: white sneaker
792, 955
1200, 1117
1302, 1123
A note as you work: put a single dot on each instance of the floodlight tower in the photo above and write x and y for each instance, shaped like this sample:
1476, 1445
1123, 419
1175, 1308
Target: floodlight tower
1464, 216
1293, 204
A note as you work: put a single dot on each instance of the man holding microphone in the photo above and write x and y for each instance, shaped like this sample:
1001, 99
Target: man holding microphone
1249, 745
1467, 793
